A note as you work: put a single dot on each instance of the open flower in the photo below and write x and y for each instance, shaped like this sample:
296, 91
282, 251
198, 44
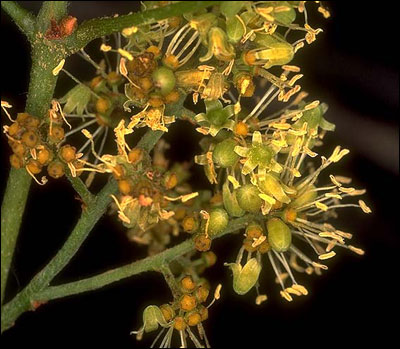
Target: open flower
218, 46
298, 215
215, 118
153, 118
257, 155
76, 100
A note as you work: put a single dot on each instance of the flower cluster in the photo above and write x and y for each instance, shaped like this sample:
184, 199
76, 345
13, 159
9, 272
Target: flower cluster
187, 310
256, 155
37, 144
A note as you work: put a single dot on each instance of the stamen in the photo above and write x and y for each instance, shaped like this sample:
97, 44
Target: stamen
87, 58
91, 122
327, 255
193, 338
364, 207
157, 337
271, 259
217, 295
58, 68
261, 299
4, 105
43, 180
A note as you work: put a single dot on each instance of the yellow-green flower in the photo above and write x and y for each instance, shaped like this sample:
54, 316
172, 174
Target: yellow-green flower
76, 99
215, 118
218, 46
257, 155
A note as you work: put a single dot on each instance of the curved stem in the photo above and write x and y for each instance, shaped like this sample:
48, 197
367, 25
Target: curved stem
150, 263
80, 187
98, 27
11, 215
22, 18
40, 94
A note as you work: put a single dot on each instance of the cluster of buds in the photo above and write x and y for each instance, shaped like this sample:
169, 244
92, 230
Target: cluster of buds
37, 144
187, 311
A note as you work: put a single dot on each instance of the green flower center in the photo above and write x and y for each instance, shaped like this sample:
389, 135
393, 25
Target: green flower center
217, 117
261, 154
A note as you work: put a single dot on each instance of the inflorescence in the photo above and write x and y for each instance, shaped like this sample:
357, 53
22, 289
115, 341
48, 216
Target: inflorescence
256, 155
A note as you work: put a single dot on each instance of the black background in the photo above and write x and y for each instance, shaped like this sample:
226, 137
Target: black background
352, 67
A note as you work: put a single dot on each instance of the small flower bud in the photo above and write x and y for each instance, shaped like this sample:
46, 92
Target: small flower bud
271, 186
16, 161
248, 245
113, 78
230, 202
248, 198
203, 312
164, 79
170, 180
103, 105
264, 247
34, 166
135, 155
244, 278
241, 129
168, 312
14, 129
18, 149
190, 224
254, 230
193, 318
44, 156
57, 134
279, 235
201, 293
188, 284
55, 169
218, 221
188, 302
125, 186
67, 153
289, 214
209, 258
224, 154
31, 123
202, 242
244, 84
30, 139
179, 323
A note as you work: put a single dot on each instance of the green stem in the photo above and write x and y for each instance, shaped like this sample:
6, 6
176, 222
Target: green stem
42, 83
28, 300
12, 211
150, 263
98, 27
88, 219
22, 18
170, 279
40, 94
23, 301
51, 10
81, 188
